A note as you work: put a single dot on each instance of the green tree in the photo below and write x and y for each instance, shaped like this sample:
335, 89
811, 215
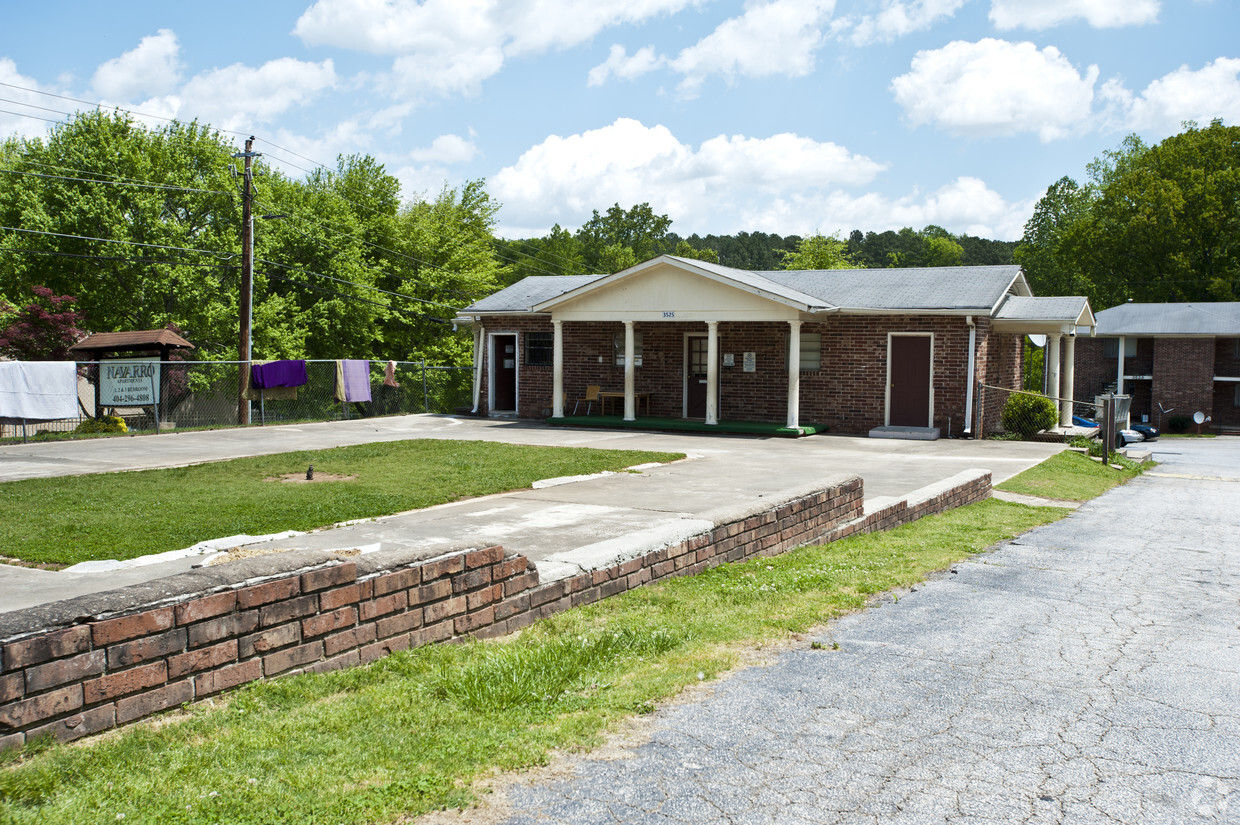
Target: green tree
684, 249
819, 251
639, 229
1042, 252
1155, 223
118, 204
143, 225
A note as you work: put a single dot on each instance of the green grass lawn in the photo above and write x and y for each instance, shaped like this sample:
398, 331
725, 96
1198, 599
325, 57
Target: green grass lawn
412, 732
124, 515
1070, 476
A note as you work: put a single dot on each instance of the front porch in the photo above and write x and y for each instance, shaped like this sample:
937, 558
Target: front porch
755, 428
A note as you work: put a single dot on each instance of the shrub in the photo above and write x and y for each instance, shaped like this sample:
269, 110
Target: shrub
1027, 414
105, 424
1179, 423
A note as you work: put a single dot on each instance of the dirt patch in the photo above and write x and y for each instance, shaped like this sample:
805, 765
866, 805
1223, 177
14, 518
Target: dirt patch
300, 478
239, 553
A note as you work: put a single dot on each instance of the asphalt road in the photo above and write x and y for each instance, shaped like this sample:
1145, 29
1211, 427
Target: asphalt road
1088, 672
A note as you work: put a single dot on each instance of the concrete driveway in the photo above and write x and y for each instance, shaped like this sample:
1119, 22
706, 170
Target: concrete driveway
657, 504
1088, 672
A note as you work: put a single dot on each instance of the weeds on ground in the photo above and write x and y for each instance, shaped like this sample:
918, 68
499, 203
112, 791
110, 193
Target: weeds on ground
412, 732
1072, 476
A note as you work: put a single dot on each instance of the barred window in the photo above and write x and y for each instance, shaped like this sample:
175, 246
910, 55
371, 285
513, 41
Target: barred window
811, 351
539, 348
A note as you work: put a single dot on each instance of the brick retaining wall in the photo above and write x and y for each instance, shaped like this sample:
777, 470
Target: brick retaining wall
74, 669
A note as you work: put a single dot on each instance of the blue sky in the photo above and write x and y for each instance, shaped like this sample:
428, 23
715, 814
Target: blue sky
785, 116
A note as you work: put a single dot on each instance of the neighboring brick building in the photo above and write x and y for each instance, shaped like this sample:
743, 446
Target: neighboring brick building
1184, 357
679, 338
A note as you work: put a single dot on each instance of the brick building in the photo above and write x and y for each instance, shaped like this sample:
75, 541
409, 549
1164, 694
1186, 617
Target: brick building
1185, 357
677, 338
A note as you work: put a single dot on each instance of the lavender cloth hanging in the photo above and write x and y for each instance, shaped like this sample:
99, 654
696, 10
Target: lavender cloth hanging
356, 380
278, 374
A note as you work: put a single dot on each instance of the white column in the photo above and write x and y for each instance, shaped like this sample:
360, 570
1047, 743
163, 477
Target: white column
712, 372
630, 403
478, 330
557, 370
794, 374
1119, 378
1069, 378
1051, 365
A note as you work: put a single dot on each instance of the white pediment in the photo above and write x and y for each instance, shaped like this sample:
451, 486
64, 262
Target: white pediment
668, 292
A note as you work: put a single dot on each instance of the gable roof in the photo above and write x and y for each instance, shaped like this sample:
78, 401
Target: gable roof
956, 289
953, 288
138, 339
1072, 309
525, 294
1203, 318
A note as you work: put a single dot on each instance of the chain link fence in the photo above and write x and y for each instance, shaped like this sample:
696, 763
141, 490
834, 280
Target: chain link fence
206, 394
1023, 415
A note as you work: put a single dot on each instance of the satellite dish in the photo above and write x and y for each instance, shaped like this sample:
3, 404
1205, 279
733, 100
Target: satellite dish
1199, 417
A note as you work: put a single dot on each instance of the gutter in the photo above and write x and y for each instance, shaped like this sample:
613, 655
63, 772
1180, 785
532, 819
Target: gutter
968, 394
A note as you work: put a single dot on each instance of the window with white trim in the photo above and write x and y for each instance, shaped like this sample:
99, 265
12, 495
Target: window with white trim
617, 343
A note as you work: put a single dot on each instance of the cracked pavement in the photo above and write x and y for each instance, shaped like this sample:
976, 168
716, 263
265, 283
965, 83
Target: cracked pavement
1088, 672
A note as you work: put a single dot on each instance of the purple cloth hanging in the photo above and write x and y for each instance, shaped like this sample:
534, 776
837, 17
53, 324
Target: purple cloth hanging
356, 380
278, 374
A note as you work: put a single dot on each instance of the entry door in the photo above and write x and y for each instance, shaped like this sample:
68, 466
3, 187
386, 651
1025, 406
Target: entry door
695, 376
909, 371
504, 372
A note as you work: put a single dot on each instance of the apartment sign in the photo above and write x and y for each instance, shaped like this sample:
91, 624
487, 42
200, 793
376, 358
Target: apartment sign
129, 382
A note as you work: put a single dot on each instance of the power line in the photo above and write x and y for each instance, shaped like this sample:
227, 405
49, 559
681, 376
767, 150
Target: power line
358, 298
119, 182
113, 240
32, 117
117, 258
101, 106
354, 283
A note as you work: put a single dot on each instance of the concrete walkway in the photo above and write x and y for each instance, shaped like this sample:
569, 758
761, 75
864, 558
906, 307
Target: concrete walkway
1088, 672
656, 505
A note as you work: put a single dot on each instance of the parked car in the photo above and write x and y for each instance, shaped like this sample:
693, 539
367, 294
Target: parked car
1134, 434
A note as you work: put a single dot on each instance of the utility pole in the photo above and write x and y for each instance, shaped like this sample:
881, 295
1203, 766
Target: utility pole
246, 302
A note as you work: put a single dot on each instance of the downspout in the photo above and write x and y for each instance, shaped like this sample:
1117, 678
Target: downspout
477, 363
968, 393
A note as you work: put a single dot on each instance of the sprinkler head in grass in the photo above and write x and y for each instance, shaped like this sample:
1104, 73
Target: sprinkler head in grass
310, 473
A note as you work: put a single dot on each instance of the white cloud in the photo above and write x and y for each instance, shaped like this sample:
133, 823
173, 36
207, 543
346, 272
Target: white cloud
444, 47
446, 149
151, 68
723, 185
1210, 92
29, 120
619, 64
778, 37
1043, 14
240, 96
994, 87
899, 18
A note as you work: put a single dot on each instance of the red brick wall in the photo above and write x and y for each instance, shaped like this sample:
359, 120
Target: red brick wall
1184, 374
106, 671
848, 394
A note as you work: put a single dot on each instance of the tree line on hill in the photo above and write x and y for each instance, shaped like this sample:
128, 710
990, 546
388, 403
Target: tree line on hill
109, 225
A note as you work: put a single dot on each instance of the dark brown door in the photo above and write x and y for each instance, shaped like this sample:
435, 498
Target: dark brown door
910, 381
504, 370
695, 378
